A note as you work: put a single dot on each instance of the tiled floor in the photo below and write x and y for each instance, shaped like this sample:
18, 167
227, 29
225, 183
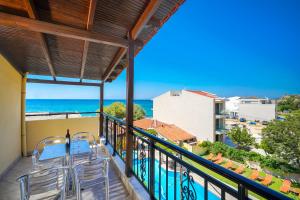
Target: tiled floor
9, 187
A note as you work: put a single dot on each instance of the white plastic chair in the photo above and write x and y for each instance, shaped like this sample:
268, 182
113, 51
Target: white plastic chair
48, 183
91, 173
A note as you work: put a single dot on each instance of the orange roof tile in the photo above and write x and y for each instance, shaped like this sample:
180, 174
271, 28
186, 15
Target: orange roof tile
147, 123
168, 131
174, 133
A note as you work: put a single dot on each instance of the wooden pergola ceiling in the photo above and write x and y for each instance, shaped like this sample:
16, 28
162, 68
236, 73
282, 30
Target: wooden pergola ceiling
84, 39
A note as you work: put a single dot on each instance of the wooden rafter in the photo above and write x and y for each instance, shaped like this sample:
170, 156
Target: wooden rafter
137, 28
33, 15
117, 58
60, 30
90, 20
144, 18
61, 82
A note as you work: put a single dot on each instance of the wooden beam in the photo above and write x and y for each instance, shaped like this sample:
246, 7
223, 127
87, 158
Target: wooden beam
154, 22
90, 20
101, 110
138, 27
32, 14
60, 30
144, 18
30, 9
62, 82
119, 55
129, 107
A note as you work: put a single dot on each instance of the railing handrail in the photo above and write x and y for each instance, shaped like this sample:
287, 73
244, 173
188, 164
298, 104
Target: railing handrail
237, 178
59, 113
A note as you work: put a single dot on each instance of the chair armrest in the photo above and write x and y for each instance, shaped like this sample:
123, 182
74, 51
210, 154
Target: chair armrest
35, 157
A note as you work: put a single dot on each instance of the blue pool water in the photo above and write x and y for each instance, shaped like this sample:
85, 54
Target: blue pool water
171, 182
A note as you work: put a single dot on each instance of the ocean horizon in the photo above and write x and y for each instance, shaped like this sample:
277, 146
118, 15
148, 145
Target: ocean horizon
79, 105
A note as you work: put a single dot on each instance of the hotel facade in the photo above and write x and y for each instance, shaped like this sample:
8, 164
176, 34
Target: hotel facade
199, 113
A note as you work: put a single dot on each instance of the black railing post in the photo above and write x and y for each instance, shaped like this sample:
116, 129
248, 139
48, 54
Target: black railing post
242, 192
205, 189
115, 137
152, 170
106, 130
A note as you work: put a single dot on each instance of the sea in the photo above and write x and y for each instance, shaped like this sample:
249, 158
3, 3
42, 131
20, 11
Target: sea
78, 105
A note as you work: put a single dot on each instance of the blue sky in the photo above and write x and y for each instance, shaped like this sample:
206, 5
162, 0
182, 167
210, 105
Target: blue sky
234, 47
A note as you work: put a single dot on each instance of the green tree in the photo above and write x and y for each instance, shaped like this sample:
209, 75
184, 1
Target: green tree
118, 110
241, 138
282, 138
289, 103
138, 112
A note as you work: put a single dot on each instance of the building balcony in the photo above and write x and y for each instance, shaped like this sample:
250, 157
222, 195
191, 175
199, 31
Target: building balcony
220, 131
220, 114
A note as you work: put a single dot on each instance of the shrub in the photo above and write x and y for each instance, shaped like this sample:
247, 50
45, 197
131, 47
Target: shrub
253, 156
235, 154
219, 147
202, 151
267, 162
270, 162
206, 144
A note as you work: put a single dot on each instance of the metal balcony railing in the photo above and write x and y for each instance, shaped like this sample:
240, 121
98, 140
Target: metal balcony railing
168, 171
66, 114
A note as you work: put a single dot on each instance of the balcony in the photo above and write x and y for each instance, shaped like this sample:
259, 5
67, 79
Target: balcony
220, 114
150, 160
220, 131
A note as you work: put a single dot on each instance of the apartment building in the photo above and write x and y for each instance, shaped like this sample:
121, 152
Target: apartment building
199, 113
253, 108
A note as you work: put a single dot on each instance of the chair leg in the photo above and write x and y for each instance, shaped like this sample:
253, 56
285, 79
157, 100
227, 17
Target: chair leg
78, 195
107, 188
63, 194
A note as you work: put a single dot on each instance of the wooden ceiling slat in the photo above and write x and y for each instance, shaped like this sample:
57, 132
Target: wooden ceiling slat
32, 14
137, 28
60, 30
90, 20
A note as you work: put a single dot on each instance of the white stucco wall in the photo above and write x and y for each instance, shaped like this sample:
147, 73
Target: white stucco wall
191, 112
262, 112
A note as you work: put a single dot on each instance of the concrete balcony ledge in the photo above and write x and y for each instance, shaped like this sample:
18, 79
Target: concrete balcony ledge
135, 189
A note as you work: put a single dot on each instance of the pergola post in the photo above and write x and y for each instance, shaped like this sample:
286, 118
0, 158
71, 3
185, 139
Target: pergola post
129, 106
101, 109
23, 111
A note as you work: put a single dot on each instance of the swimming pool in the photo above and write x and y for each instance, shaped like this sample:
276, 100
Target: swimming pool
199, 189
